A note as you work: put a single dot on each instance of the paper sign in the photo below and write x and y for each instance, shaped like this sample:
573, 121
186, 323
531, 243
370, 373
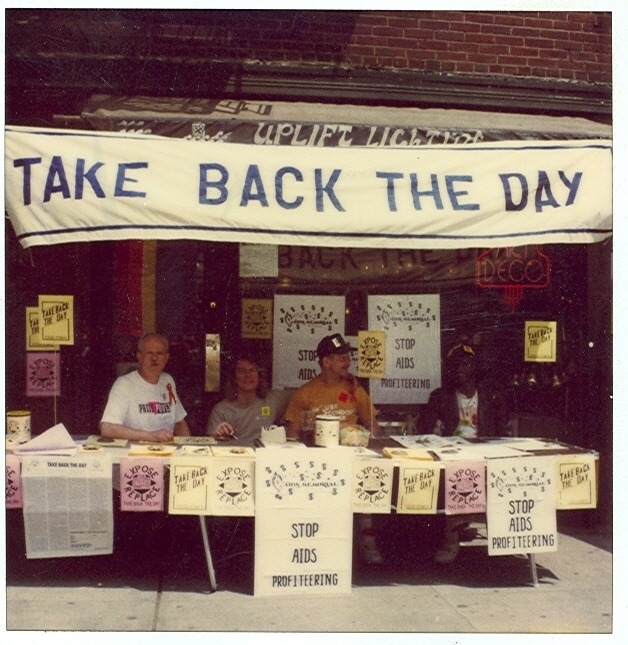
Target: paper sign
259, 260
521, 505
56, 319
299, 324
576, 482
465, 487
372, 485
418, 487
303, 522
257, 318
190, 485
13, 482
371, 354
412, 366
33, 333
141, 484
43, 374
540, 341
233, 486
68, 506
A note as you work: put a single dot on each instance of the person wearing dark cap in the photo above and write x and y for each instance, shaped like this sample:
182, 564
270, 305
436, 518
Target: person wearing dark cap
335, 391
465, 408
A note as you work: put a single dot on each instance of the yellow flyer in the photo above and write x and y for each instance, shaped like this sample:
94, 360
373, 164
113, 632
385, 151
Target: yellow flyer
418, 487
576, 481
56, 319
257, 318
191, 483
540, 341
33, 333
372, 354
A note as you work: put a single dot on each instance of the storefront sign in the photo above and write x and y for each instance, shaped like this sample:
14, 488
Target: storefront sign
70, 186
412, 327
576, 481
371, 354
303, 522
56, 319
540, 341
43, 374
300, 323
418, 487
257, 318
521, 509
33, 333
141, 484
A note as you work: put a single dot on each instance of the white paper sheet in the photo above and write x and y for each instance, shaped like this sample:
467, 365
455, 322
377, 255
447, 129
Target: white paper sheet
54, 441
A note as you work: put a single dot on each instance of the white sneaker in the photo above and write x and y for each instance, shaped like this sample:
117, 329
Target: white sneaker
369, 552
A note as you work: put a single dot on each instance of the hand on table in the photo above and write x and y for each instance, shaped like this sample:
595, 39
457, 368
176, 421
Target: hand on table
160, 436
225, 430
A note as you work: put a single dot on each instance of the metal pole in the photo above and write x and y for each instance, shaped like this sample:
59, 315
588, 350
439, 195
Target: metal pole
208, 555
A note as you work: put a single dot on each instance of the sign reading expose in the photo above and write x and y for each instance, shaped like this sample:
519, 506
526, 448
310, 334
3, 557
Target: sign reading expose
303, 521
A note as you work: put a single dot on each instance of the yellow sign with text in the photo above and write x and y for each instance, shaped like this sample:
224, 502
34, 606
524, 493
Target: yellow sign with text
257, 318
372, 354
540, 341
56, 319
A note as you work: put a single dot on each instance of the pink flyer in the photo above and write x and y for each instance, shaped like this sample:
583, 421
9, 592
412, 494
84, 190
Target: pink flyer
465, 487
141, 484
13, 482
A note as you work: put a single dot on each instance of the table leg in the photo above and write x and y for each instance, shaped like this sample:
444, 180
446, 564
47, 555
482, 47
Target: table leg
208, 554
535, 578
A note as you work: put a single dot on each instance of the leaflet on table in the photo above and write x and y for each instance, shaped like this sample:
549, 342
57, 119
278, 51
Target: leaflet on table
418, 486
576, 481
54, 441
68, 507
142, 484
13, 482
233, 486
153, 450
492, 451
407, 453
465, 487
372, 485
108, 442
232, 451
428, 441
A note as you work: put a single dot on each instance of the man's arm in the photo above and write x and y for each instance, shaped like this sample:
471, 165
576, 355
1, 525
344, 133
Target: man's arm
181, 429
118, 431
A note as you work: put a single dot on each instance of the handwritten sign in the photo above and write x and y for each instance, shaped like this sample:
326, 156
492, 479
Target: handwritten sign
418, 487
190, 485
43, 374
303, 522
257, 318
56, 319
299, 323
576, 482
521, 510
141, 484
412, 351
33, 333
372, 485
540, 341
371, 354
13, 482
465, 487
233, 483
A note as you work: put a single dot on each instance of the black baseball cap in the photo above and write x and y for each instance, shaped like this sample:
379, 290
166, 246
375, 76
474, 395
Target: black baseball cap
334, 344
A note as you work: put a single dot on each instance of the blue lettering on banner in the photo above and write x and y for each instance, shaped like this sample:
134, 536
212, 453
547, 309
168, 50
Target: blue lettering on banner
510, 204
90, 175
26, 163
390, 187
573, 186
544, 187
220, 185
279, 187
453, 194
121, 178
416, 194
328, 189
56, 169
253, 178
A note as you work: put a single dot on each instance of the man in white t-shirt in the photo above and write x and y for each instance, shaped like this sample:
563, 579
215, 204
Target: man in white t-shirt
144, 405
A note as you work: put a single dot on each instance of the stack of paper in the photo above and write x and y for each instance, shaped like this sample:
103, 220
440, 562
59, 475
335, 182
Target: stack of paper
54, 441
408, 453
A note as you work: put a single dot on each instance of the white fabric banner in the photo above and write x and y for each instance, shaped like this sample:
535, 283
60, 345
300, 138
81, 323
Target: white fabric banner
412, 327
72, 186
300, 323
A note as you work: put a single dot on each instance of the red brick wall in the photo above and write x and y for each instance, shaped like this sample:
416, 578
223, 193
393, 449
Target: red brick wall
565, 45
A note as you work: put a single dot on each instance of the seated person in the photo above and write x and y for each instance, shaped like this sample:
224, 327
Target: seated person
466, 408
143, 405
248, 404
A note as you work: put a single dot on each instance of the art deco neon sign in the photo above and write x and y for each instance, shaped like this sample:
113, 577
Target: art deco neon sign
513, 269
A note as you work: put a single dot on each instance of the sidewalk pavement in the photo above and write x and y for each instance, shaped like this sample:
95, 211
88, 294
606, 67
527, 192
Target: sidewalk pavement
408, 594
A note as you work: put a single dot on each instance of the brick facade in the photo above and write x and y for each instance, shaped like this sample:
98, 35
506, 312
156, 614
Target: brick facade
573, 46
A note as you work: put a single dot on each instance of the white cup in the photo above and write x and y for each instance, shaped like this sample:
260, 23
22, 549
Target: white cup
327, 431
